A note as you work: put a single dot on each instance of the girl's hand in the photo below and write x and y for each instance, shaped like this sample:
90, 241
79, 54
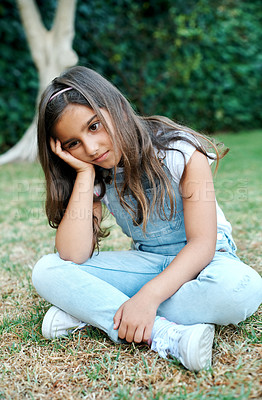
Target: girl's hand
78, 165
135, 319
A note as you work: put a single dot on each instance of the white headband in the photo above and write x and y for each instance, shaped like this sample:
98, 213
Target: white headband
59, 92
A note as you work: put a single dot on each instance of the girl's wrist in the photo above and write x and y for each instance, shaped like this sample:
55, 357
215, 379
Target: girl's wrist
152, 293
86, 173
85, 180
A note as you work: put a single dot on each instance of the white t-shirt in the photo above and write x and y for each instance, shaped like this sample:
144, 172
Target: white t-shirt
175, 163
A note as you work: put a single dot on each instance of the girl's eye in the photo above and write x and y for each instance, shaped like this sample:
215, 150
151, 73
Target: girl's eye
94, 127
73, 144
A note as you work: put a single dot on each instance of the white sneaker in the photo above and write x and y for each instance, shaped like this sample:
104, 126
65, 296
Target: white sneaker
190, 344
57, 323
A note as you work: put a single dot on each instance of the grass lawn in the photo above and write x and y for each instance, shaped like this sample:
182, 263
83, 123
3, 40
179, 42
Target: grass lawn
87, 365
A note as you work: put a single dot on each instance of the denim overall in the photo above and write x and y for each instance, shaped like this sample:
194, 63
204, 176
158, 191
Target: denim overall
226, 291
161, 236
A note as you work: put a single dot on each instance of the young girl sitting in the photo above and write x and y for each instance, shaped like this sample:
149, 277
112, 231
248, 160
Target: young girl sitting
182, 275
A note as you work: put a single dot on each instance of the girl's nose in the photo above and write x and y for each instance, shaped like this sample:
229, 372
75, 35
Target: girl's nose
91, 147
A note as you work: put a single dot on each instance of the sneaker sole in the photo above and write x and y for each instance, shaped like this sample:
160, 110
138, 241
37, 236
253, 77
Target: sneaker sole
47, 322
202, 356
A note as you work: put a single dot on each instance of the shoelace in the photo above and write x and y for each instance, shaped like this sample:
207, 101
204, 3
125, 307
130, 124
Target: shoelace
174, 337
170, 345
80, 326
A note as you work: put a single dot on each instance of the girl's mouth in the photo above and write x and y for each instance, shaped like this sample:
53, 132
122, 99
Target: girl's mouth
102, 157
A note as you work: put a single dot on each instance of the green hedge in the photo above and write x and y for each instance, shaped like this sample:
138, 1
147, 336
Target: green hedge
198, 62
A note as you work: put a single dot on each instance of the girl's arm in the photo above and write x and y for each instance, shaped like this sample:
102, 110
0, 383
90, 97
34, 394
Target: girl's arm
74, 237
200, 226
135, 318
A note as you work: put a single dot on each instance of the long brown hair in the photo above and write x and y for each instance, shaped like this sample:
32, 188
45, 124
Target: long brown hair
139, 139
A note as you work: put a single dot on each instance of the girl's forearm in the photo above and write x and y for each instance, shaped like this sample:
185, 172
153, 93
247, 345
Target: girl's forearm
195, 256
74, 238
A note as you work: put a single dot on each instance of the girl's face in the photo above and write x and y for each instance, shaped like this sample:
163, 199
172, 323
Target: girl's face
82, 134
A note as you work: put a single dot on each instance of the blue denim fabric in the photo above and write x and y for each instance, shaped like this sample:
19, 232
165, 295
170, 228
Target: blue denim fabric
226, 291
162, 236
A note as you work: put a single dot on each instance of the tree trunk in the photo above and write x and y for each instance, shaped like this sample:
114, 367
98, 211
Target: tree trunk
52, 53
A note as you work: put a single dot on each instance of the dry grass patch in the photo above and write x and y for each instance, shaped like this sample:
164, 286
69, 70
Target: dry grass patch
85, 367
88, 365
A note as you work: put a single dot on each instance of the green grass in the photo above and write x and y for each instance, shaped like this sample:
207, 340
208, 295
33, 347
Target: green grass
238, 181
239, 192
87, 365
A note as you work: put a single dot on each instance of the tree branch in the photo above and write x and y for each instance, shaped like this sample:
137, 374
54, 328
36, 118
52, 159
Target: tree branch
64, 20
34, 28
52, 52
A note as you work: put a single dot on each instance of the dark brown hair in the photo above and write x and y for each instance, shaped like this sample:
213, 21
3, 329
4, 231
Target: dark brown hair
140, 140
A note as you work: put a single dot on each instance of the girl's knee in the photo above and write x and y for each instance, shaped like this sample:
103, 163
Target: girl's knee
40, 270
240, 298
232, 290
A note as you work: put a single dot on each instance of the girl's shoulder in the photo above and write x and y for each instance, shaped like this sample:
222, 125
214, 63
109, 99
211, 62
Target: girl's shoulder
180, 151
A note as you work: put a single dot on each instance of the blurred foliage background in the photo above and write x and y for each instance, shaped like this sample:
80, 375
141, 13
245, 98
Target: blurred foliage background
196, 61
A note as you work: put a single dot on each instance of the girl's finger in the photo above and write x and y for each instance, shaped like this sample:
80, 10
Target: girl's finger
57, 149
129, 335
117, 318
123, 331
139, 334
147, 333
52, 144
58, 146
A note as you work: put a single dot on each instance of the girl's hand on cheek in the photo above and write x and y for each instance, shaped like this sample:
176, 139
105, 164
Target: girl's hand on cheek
135, 319
78, 165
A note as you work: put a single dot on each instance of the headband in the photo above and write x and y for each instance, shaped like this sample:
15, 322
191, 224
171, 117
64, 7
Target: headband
59, 92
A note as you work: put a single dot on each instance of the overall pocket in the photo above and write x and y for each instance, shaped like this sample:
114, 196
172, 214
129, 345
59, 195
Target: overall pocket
225, 243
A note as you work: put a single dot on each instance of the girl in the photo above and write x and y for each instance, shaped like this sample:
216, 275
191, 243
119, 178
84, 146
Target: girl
182, 275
